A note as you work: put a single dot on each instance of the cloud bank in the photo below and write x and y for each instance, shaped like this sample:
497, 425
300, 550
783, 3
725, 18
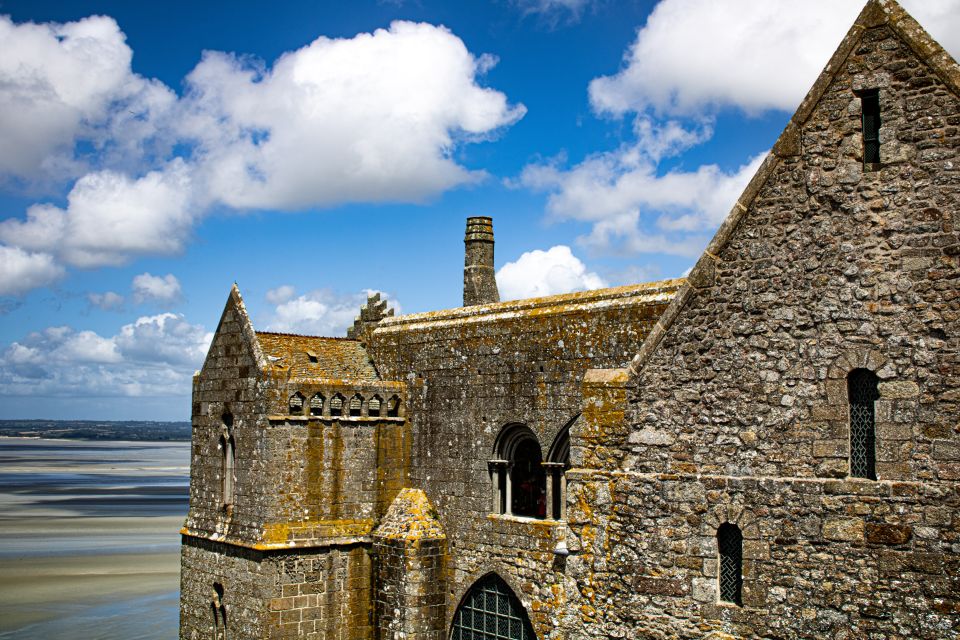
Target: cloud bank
372, 118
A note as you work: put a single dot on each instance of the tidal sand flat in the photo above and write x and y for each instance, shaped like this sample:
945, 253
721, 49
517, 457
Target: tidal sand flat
89, 543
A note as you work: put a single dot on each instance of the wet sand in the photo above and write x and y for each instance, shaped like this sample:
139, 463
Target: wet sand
89, 543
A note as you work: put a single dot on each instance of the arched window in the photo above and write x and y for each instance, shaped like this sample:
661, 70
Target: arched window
336, 405
862, 393
730, 546
227, 446
491, 611
356, 405
393, 407
373, 406
296, 404
316, 404
519, 478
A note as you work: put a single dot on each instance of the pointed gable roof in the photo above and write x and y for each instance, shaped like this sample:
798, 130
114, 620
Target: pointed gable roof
876, 13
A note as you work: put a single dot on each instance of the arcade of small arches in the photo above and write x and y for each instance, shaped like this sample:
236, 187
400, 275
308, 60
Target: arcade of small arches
523, 482
339, 405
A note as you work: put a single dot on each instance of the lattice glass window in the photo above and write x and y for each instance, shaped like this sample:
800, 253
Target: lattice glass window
870, 109
862, 392
491, 612
730, 545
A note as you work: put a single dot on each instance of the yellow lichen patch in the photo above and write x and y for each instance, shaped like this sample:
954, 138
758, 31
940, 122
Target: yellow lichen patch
411, 517
291, 532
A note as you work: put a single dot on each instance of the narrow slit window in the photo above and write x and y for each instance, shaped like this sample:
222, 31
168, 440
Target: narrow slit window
863, 392
730, 546
870, 109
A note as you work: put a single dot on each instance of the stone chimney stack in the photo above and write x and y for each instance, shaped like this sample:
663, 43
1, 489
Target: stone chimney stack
479, 281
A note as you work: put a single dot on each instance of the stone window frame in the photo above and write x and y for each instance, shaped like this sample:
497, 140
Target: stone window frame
754, 550
873, 94
296, 397
836, 412
322, 404
509, 438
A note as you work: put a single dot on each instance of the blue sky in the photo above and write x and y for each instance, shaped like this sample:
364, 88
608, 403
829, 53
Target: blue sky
153, 153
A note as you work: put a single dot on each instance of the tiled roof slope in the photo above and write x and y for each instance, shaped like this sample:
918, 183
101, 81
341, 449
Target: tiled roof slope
336, 358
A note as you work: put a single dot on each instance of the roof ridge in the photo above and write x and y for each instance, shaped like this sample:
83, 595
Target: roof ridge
303, 335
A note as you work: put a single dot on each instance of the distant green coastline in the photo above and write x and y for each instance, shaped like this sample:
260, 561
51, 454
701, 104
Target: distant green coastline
136, 430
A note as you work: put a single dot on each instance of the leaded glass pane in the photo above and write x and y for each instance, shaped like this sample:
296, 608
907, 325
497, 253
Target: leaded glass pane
862, 392
491, 612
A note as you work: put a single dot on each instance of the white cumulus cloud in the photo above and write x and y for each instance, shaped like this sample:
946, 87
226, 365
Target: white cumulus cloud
154, 356
22, 270
162, 289
321, 312
366, 119
64, 83
749, 54
372, 118
110, 218
544, 273
281, 294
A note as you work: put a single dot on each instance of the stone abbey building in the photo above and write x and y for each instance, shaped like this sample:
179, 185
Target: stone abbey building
769, 448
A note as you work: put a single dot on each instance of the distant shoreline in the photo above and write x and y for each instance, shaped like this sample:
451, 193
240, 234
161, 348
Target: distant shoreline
130, 430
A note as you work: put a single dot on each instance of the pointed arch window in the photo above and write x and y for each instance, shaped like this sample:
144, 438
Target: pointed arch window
862, 391
373, 406
730, 568
296, 404
336, 405
316, 404
356, 405
491, 611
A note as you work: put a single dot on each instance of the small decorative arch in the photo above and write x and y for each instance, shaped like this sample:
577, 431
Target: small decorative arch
336, 405
373, 406
356, 405
295, 404
316, 404
730, 563
490, 610
517, 473
393, 407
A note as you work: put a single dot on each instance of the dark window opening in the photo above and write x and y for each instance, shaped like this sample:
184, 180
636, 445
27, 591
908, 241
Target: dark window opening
529, 482
730, 546
373, 407
393, 407
870, 109
862, 392
296, 404
219, 612
491, 611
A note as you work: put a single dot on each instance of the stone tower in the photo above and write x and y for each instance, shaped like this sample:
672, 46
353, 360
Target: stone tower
479, 278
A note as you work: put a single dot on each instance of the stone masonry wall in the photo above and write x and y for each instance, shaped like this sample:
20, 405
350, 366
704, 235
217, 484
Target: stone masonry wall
486, 367
740, 414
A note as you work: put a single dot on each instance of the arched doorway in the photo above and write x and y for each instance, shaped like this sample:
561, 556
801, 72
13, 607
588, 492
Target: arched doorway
491, 611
